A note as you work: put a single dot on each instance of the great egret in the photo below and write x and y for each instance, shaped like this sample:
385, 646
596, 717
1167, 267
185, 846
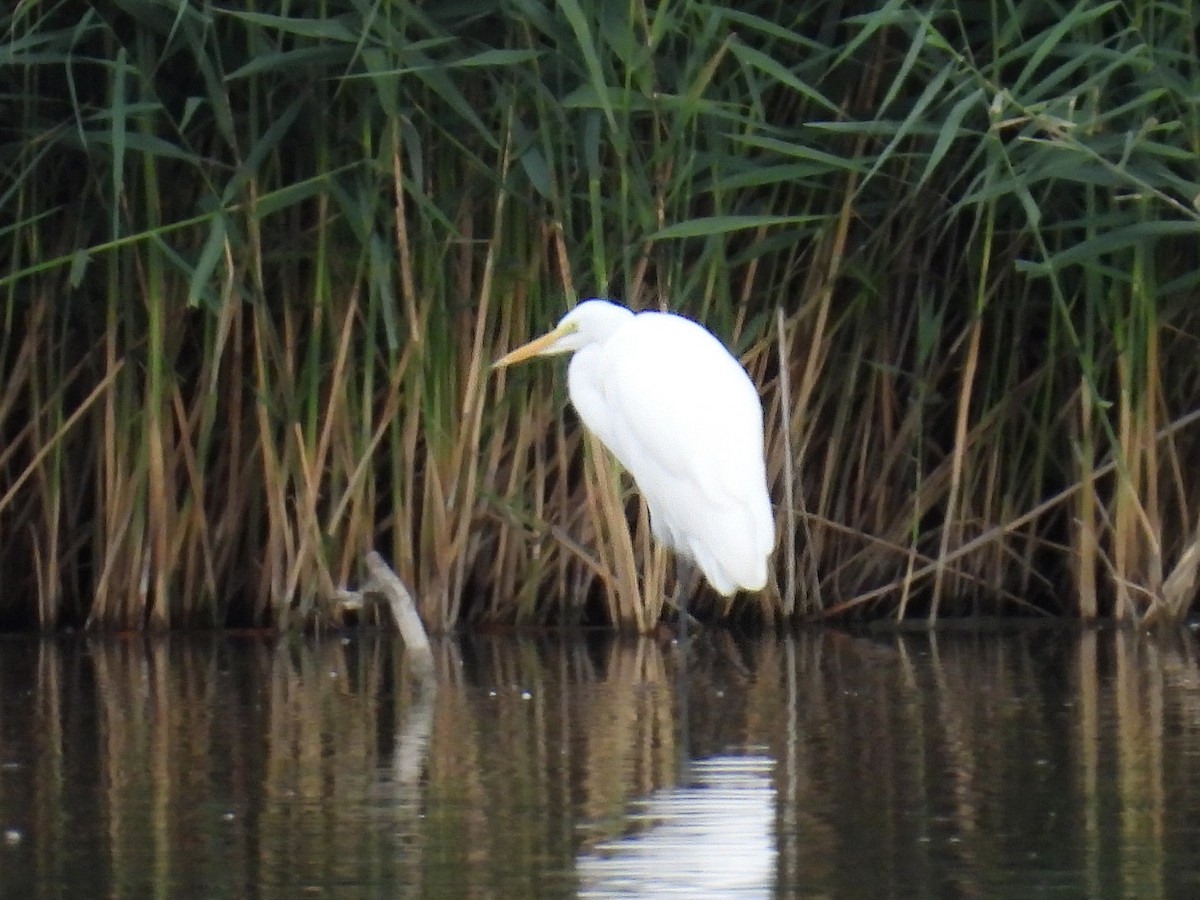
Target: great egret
679, 412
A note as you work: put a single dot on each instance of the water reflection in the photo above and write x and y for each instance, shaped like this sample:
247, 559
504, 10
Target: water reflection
959, 765
712, 837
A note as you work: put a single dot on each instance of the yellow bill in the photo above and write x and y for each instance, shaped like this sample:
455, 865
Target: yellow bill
541, 346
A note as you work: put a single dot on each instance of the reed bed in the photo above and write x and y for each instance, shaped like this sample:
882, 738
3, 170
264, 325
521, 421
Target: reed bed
257, 263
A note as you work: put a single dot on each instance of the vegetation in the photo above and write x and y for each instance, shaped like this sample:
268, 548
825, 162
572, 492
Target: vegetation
257, 262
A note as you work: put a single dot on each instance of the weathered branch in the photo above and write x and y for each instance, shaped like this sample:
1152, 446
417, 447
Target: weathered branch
383, 582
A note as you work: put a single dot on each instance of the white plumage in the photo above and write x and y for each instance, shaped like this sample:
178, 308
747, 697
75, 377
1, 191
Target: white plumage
682, 416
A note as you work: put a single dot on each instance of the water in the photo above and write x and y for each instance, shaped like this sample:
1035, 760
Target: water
1032, 763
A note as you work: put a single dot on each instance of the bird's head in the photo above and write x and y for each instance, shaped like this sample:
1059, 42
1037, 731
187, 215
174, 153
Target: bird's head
590, 322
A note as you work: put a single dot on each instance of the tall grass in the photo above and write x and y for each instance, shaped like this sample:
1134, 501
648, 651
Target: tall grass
257, 263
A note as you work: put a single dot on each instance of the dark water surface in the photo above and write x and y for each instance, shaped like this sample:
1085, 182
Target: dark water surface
1033, 763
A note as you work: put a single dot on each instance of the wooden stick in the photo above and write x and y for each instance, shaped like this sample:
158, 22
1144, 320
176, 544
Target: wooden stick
383, 582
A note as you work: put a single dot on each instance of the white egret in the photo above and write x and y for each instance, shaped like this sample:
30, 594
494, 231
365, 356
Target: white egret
679, 412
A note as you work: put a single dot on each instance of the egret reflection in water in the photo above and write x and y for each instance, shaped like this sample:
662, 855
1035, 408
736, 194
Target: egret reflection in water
713, 837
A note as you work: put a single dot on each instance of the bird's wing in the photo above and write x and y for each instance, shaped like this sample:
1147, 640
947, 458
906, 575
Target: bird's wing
684, 418
679, 401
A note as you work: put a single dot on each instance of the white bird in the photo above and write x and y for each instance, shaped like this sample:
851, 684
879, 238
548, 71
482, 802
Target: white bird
679, 412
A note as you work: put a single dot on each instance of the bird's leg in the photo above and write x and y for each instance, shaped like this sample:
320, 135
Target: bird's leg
687, 577
683, 741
